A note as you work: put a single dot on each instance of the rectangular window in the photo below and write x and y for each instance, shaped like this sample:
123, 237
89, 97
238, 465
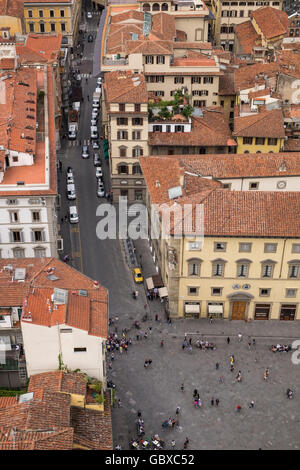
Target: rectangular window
232, 104
220, 246
195, 246
16, 236
247, 140
29, 13
66, 330
79, 349
241, 13
51, 13
14, 217
137, 152
194, 269
160, 59
137, 108
253, 185
41, 13
63, 26
192, 290
38, 235
222, 103
272, 141
136, 135
291, 292
62, 13
138, 195
122, 135
31, 27
259, 140
199, 103
245, 247
294, 271
52, 26
196, 80
270, 247
288, 312
208, 80
122, 121
122, 107
137, 121
296, 248
123, 151
218, 269
179, 80
42, 28
216, 290
159, 93
242, 270
159, 79
226, 185
267, 270
36, 217
149, 59
264, 292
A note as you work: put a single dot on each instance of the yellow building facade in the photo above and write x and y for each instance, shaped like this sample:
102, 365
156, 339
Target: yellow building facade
54, 17
259, 144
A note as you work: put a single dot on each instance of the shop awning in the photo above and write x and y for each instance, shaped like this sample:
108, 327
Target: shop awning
215, 309
157, 281
163, 292
192, 308
149, 283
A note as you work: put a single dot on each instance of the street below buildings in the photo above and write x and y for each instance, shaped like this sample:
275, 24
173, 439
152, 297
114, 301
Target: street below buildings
272, 423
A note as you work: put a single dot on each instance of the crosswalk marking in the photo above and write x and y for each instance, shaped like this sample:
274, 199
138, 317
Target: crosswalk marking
73, 143
86, 142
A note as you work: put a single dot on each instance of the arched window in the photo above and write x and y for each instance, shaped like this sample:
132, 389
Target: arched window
155, 7
164, 7
146, 7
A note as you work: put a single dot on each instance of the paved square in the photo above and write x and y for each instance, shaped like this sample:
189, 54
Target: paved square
273, 423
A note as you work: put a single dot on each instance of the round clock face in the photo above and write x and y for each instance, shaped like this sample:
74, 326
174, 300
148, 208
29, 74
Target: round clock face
281, 184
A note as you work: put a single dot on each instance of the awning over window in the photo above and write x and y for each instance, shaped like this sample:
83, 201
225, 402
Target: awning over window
192, 308
149, 283
215, 309
163, 292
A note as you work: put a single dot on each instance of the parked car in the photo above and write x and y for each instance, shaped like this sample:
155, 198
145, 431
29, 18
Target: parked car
94, 132
99, 81
97, 159
93, 122
70, 177
73, 215
85, 151
90, 38
95, 145
71, 194
99, 173
100, 189
95, 113
70, 169
89, 15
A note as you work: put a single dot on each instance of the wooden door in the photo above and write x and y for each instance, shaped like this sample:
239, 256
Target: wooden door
238, 310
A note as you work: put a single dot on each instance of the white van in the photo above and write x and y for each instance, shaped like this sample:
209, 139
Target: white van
73, 215
71, 194
94, 132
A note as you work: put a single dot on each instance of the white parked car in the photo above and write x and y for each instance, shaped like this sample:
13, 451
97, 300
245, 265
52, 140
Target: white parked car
89, 15
99, 81
93, 122
85, 151
95, 145
70, 178
95, 113
73, 215
99, 173
100, 189
71, 194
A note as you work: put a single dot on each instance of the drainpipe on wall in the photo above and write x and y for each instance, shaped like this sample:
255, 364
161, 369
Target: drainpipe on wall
281, 263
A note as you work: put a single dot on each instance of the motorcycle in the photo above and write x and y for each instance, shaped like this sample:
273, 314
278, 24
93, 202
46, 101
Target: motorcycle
290, 393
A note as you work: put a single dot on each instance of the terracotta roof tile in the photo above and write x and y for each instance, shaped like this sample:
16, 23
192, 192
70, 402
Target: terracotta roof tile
125, 87
226, 84
38, 288
227, 213
12, 8
210, 130
247, 36
58, 381
148, 47
8, 401
247, 76
271, 21
192, 45
263, 124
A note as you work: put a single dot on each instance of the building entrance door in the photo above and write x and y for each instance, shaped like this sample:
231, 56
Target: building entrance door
238, 310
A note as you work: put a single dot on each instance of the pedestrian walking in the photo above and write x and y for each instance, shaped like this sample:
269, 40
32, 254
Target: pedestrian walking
217, 366
145, 335
173, 444
240, 337
266, 374
66, 218
177, 410
190, 348
182, 387
231, 368
88, 97
190, 341
217, 401
112, 356
156, 317
232, 360
162, 343
212, 401
210, 320
238, 408
254, 342
137, 337
62, 220
110, 365
221, 379
228, 340
86, 80
149, 362
80, 142
119, 403
249, 345
251, 405
186, 443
